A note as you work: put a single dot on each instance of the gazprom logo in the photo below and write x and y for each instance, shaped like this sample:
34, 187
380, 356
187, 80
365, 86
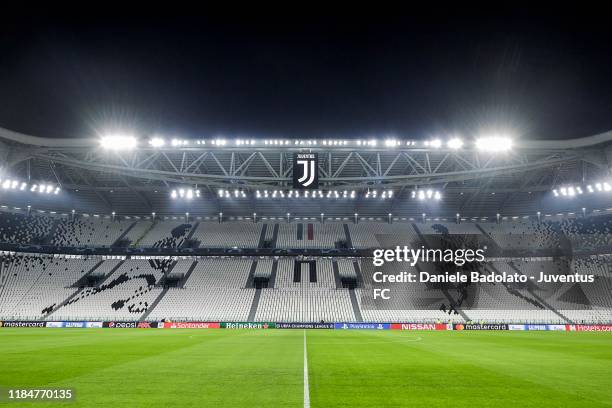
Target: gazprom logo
305, 171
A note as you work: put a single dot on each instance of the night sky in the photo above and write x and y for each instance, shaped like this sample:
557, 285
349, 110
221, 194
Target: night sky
306, 77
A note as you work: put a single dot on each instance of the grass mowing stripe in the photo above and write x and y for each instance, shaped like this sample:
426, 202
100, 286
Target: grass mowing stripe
97, 351
450, 369
306, 387
233, 368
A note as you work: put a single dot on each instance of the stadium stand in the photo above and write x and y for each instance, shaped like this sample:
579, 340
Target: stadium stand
295, 288
377, 234
88, 232
20, 229
237, 234
166, 234
521, 234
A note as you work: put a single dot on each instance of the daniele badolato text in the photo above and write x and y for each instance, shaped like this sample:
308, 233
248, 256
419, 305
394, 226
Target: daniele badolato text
462, 259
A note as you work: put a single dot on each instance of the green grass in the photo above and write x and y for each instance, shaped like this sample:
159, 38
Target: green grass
264, 368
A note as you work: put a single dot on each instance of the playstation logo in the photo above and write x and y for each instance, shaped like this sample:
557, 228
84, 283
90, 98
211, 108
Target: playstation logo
305, 171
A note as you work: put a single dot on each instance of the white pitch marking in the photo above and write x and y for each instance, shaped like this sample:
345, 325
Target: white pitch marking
306, 387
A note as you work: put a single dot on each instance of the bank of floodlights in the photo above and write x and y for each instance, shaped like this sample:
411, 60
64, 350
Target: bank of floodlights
276, 142
18, 185
571, 191
236, 193
367, 143
426, 195
335, 142
434, 144
488, 142
383, 194
392, 143
185, 194
179, 142
306, 194
219, 142
157, 142
305, 143
245, 142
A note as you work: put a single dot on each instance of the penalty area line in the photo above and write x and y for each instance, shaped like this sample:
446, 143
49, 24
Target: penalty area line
306, 387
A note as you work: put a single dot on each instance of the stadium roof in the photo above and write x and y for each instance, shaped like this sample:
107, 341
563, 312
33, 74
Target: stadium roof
473, 178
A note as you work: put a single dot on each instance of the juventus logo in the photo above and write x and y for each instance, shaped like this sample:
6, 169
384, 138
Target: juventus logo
308, 171
305, 171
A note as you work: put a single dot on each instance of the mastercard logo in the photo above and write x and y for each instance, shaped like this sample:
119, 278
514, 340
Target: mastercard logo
459, 327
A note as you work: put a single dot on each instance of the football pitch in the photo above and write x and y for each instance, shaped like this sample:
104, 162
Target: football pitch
266, 368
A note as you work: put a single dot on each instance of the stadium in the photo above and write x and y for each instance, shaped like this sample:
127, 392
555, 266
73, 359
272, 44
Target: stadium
305, 212
136, 232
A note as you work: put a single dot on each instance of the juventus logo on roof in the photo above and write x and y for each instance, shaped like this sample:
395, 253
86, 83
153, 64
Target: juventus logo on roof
305, 171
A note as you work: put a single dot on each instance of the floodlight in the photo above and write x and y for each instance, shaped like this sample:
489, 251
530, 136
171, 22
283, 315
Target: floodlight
494, 143
118, 142
436, 143
455, 143
157, 142
179, 142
